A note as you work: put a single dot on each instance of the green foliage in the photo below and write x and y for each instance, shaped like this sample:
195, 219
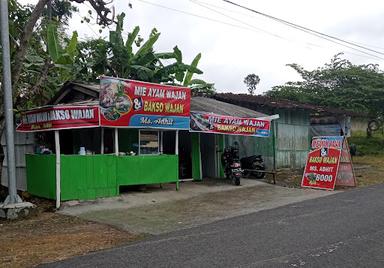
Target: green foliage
340, 83
53, 58
368, 146
52, 43
252, 80
49, 57
189, 74
135, 58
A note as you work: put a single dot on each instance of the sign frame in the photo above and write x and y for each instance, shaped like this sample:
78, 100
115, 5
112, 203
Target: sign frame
126, 103
212, 121
24, 127
339, 143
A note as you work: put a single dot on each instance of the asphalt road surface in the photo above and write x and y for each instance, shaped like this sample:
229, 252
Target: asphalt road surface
341, 230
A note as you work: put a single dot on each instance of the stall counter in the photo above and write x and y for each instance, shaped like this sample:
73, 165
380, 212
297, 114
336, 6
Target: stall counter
92, 176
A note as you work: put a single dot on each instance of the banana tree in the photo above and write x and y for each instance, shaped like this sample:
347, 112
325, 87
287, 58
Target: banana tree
135, 58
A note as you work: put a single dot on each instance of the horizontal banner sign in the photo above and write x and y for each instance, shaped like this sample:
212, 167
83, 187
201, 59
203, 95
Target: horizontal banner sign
214, 123
54, 118
128, 103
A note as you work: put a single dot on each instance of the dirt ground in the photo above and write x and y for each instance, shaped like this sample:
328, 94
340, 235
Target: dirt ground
369, 170
49, 236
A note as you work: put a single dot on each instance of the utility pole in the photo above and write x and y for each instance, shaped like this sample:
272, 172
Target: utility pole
12, 197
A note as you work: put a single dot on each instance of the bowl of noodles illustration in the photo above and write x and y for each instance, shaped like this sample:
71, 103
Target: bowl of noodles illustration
123, 104
111, 114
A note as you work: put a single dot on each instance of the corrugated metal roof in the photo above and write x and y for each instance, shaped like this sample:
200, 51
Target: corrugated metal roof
94, 87
258, 101
203, 104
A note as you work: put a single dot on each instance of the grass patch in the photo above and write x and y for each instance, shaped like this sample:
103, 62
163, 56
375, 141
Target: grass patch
368, 146
369, 169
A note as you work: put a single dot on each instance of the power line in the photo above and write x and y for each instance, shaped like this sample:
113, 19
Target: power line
235, 19
322, 37
305, 29
87, 25
251, 27
195, 15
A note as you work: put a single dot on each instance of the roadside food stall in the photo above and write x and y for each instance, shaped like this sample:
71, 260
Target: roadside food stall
88, 172
136, 133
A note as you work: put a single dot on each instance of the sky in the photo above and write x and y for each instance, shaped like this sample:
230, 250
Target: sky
235, 42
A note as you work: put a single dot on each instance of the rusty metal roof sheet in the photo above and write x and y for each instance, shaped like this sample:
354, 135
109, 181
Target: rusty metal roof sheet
258, 101
203, 104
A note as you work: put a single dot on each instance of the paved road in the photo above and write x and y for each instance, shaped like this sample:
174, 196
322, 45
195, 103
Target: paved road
341, 230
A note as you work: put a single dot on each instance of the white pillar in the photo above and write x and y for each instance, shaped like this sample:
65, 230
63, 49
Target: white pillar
102, 141
116, 141
58, 169
177, 143
161, 141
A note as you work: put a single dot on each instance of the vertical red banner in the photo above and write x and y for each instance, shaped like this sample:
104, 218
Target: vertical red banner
321, 169
328, 164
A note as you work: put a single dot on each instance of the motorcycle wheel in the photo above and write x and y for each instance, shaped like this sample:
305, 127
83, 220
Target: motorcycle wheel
237, 181
373, 125
258, 175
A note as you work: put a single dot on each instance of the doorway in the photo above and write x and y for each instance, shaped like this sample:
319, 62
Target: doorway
185, 150
208, 155
185, 155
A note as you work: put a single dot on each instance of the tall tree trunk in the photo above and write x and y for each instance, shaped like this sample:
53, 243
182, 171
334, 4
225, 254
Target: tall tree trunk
24, 40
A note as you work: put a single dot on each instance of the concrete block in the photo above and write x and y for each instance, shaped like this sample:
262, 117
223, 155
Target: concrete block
17, 211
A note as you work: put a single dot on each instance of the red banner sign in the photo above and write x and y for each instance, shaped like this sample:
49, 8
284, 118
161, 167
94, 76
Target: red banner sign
54, 118
322, 173
214, 123
128, 103
321, 168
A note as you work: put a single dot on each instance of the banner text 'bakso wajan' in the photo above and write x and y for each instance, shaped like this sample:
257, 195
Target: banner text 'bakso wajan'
222, 124
136, 104
59, 117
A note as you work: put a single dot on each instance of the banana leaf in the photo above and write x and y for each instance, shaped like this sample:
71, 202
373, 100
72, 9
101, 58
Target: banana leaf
131, 38
148, 45
165, 55
52, 43
189, 74
71, 48
178, 54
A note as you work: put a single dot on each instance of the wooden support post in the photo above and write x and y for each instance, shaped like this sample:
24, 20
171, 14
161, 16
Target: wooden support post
102, 141
177, 153
58, 169
116, 139
274, 150
177, 143
161, 141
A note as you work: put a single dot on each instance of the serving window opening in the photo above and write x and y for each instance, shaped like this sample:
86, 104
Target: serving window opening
149, 141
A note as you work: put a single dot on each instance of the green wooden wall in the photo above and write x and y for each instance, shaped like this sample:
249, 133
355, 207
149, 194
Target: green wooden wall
92, 176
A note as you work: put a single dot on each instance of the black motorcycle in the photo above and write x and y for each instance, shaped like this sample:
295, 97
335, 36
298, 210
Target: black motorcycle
251, 165
231, 163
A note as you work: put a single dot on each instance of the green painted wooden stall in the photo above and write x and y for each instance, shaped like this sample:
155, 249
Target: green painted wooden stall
92, 176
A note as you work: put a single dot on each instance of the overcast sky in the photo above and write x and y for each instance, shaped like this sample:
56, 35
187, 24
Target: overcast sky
235, 42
